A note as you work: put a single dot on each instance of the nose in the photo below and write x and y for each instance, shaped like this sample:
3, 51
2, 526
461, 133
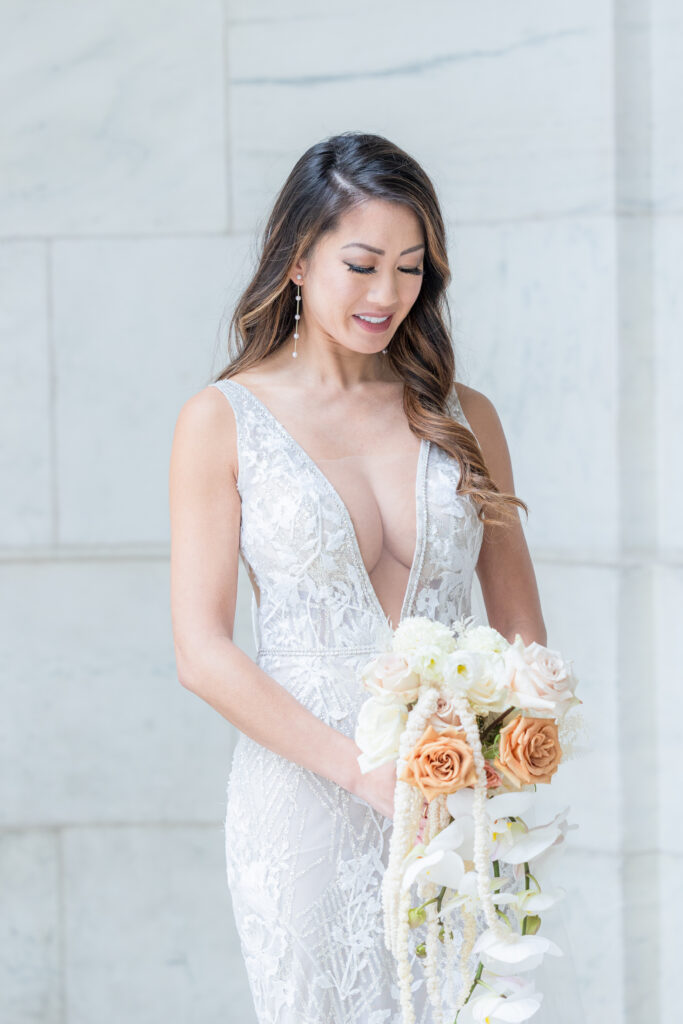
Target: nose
383, 292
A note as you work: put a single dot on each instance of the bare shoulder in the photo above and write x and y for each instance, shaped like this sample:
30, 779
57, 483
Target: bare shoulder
206, 429
483, 417
479, 410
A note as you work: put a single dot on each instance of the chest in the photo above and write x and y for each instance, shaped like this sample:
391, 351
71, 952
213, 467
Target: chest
352, 539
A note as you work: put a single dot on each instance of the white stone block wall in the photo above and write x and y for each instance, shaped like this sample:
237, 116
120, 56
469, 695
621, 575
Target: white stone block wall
140, 148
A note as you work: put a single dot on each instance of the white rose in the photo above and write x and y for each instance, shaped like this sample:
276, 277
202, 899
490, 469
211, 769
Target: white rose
489, 692
390, 675
538, 679
378, 732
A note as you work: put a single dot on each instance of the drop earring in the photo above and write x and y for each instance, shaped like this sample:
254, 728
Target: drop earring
297, 316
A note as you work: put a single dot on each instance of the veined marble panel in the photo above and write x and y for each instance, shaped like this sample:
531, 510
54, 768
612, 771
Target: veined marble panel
508, 107
666, 32
667, 353
149, 930
97, 727
138, 325
580, 608
30, 934
534, 313
26, 509
666, 689
113, 118
671, 902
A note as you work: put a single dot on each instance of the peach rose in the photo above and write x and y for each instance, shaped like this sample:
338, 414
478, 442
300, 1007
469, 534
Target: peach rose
529, 750
440, 762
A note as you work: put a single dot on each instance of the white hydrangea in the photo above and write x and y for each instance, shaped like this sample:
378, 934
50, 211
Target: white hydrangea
425, 645
482, 638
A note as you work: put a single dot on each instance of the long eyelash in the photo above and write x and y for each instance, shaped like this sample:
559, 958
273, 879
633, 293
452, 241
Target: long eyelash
371, 270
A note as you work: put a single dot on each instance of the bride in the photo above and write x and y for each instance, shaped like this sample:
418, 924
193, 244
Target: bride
360, 483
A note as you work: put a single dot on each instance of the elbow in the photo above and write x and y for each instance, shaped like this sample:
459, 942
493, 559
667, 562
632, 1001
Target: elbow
202, 661
187, 671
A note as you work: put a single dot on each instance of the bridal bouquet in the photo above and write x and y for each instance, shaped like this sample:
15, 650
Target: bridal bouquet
474, 724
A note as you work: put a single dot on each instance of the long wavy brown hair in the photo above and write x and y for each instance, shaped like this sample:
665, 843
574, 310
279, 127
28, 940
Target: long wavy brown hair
330, 178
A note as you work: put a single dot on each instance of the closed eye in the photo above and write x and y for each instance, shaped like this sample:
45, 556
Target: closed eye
371, 270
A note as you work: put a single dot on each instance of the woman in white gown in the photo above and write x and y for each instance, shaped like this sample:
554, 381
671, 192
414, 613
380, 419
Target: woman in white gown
354, 487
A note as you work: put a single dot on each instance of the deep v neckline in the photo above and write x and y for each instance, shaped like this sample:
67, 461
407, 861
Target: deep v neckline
420, 512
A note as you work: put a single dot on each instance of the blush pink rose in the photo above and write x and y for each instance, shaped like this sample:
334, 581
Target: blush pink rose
492, 776
444, 715
389, 676
538, 679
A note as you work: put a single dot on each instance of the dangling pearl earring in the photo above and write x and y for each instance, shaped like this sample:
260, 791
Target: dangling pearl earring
297, 316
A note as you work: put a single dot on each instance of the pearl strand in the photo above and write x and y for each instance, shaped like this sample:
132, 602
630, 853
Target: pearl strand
400, 838
431, 961
405, 974
406, 802
297, 316
468, 939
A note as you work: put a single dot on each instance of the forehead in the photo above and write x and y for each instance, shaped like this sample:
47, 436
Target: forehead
390, 226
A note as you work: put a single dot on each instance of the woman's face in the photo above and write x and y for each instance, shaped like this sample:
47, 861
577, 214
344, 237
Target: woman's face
372, 265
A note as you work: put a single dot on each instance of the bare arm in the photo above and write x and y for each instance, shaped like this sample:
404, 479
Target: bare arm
205, 510
505, 569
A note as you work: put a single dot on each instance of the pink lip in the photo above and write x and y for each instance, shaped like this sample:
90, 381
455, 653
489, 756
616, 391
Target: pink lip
373, 328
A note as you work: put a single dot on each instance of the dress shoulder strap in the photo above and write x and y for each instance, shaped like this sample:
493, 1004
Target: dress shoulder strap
456, 409
235, 397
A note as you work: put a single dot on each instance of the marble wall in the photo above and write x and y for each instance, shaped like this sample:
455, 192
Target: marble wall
140, 147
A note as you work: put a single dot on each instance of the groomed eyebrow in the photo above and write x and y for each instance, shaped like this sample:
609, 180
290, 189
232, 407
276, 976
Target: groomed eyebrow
371, 248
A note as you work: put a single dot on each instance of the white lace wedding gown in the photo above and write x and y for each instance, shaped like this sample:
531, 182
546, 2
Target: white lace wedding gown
304, 857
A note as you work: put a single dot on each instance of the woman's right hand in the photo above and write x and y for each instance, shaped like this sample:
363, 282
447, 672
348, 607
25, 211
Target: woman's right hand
377, 788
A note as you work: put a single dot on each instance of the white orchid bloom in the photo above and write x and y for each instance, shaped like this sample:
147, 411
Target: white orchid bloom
467, 893
461, 808
514, 847
453, 836
441, 860
529, 901
517, 1001
524, 952
443, 867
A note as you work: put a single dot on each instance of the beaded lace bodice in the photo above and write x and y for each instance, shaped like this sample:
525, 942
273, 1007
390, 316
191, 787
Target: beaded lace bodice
298, 541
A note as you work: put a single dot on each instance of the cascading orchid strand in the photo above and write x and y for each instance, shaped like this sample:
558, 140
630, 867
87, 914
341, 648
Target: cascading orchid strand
482, 850
476, 725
